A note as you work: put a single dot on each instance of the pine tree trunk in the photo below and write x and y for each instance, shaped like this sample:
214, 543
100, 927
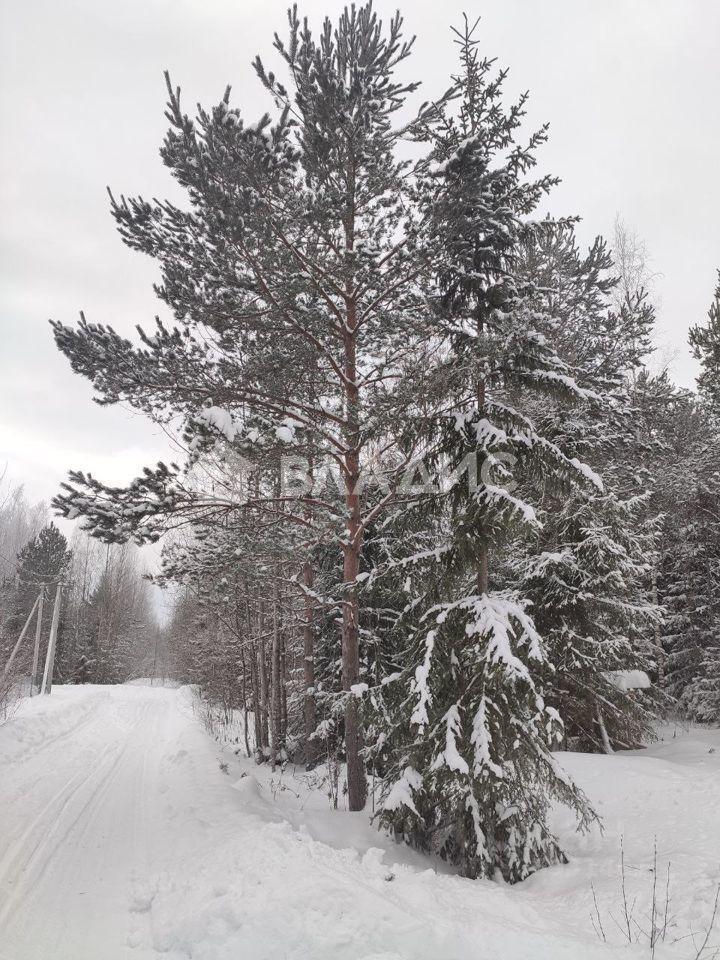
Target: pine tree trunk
482, 573
283, 690
607, 746
357, 787
275, 696
257, 712
254, 657
264, 691
245, 701
309, 709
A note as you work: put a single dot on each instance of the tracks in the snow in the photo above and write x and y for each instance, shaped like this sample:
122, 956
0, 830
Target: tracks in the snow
82, 790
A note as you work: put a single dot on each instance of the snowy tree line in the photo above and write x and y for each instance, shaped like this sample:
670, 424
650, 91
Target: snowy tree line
502, 514
107, 629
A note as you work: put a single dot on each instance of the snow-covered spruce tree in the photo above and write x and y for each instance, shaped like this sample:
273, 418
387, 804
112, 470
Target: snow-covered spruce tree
588, 571
294, 278
592, 600
705, 343
471, 733
43, 561
385, 590
603, 336
672, 433
690, 584
677, 441
691, 571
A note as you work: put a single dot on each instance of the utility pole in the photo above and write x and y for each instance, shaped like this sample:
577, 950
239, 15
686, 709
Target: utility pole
19, 640
50, 659
36, 651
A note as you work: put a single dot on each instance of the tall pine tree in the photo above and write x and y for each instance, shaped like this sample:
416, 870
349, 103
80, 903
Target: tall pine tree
295, 278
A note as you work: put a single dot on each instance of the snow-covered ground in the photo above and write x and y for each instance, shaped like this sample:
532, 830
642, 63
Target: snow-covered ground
122, 836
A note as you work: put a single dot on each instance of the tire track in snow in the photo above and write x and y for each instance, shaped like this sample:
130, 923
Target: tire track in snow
62, 823
47, 824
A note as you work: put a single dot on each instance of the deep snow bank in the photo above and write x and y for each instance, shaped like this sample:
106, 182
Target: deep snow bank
296, 878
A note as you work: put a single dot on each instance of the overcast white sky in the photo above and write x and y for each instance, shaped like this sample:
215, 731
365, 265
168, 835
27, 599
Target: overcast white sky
630, 87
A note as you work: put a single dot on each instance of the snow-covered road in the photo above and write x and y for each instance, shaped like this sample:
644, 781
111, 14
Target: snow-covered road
122, 837
80, 795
